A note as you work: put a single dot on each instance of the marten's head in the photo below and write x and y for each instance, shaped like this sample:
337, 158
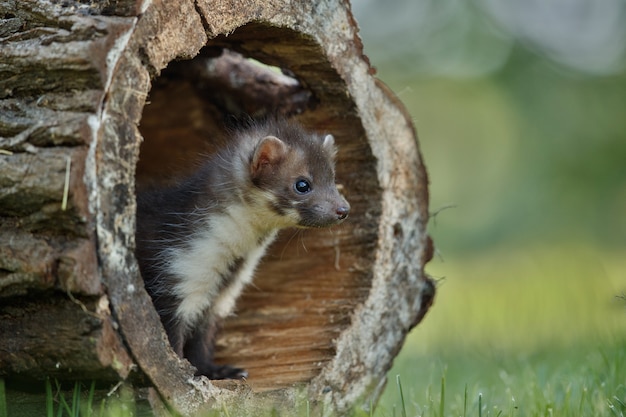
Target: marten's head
295, 171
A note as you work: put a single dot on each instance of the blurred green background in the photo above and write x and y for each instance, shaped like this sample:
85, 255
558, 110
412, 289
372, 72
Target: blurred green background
520, 108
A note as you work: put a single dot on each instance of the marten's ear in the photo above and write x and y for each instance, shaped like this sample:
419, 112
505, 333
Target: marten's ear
329, 144
269, 151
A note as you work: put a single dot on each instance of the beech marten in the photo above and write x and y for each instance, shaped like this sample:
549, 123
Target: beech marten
200, 240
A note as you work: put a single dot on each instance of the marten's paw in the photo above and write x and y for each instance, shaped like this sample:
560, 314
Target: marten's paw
223, 372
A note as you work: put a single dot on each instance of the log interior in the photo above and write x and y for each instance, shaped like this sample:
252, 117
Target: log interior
310, 282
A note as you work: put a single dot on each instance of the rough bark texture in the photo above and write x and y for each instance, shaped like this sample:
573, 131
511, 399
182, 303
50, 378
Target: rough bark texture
98, 97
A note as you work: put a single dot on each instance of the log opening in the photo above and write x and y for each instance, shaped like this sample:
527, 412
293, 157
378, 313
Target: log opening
310, 282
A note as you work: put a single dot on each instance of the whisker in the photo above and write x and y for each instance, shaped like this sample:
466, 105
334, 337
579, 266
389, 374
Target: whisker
301, 236
294, 234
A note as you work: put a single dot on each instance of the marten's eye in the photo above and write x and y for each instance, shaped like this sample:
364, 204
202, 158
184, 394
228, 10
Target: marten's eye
302, 186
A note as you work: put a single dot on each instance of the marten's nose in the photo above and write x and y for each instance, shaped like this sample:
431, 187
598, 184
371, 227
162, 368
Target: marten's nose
342, 212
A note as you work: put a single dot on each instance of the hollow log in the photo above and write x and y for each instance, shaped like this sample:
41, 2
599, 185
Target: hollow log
98, 98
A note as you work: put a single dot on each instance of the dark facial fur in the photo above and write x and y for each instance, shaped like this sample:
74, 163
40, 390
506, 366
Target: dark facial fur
304, 179
199, 241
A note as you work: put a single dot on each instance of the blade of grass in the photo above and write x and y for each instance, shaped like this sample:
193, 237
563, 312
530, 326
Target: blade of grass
92, 390
401, 395
612, 408
480, 405
76, 400
583, 397
3, 400
442, 398
49, 399
60, 410
102, 404
465, 401
512, 407
63, 402
226, 413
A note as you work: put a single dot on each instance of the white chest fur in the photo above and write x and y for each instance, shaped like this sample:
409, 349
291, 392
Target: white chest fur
204, 264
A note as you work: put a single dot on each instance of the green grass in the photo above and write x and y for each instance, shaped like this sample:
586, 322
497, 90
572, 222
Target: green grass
587, 382
524, 331
77, 400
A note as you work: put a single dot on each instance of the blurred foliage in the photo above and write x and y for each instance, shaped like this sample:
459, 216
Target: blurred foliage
524, 147
525, 299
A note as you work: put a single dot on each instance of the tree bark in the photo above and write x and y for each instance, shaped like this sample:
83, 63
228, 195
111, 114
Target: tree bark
97, 98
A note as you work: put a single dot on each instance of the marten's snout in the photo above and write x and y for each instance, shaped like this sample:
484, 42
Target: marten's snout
342, 212
342, 208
